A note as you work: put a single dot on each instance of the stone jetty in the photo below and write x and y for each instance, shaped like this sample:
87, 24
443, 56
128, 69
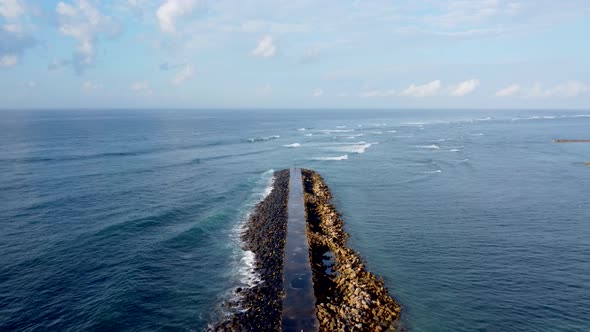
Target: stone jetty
299, 313
297, 218
572, 141
260, 307
349, 298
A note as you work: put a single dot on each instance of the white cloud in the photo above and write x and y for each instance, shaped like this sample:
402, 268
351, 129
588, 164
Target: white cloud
464, 88
11, 9
258, 26
90, 86
568, 89
28, 85
564, 90
171, 10
317, 93
141, 87
184, 74
508, 91
264, 90
13, 28
377, 93
315, 50
84, 23
8, 60
265, 48
425, 90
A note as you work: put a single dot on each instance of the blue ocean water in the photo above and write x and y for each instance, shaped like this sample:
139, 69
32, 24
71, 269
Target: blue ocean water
129, 220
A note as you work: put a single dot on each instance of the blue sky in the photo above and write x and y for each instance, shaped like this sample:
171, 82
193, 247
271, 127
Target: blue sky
292, 54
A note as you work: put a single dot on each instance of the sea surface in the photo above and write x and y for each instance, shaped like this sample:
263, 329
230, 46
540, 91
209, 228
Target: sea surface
126, 220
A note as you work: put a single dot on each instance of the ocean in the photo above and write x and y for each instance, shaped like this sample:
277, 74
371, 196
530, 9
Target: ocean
129, 220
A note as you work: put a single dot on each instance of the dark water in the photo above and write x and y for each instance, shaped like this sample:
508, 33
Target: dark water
128, 220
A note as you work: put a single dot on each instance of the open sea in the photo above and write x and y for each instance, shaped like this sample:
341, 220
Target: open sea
129, 220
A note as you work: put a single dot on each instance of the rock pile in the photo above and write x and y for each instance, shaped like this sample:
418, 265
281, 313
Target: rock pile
349, 298
265, 236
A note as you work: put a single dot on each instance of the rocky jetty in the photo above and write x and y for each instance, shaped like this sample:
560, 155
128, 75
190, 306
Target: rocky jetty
572, 141
349, 298
260, 307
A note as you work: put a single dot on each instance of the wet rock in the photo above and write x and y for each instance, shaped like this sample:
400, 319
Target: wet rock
349, 298
260, 307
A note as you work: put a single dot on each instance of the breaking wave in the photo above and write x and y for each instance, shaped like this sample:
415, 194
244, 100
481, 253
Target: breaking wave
263, 139
432, 147
359, 147
344, 157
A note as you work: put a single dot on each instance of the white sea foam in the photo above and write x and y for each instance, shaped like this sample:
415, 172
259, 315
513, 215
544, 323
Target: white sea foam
551, 117
392, 131
433, 172
308, 135
294, 145
477, 134
340, 127
454, 150
359, 147
330, 131
302, 129
432, 147
245, 260
344, 157
262, 139
247, 270
416, 123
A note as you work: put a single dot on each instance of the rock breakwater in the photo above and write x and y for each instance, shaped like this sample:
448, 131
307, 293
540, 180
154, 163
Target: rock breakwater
259, 308
572, 141
349, 298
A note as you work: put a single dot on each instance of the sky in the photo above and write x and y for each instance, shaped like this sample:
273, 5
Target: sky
295, 54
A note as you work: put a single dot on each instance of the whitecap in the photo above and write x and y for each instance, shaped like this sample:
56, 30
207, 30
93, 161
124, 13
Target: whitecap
263, 139
433, 172
245, 259
302, 129
294, 145
454, 150
392, 131
344, 157
308, 135
432, 146
415, 123
329, 131
340, 127
360, 147
247, 270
